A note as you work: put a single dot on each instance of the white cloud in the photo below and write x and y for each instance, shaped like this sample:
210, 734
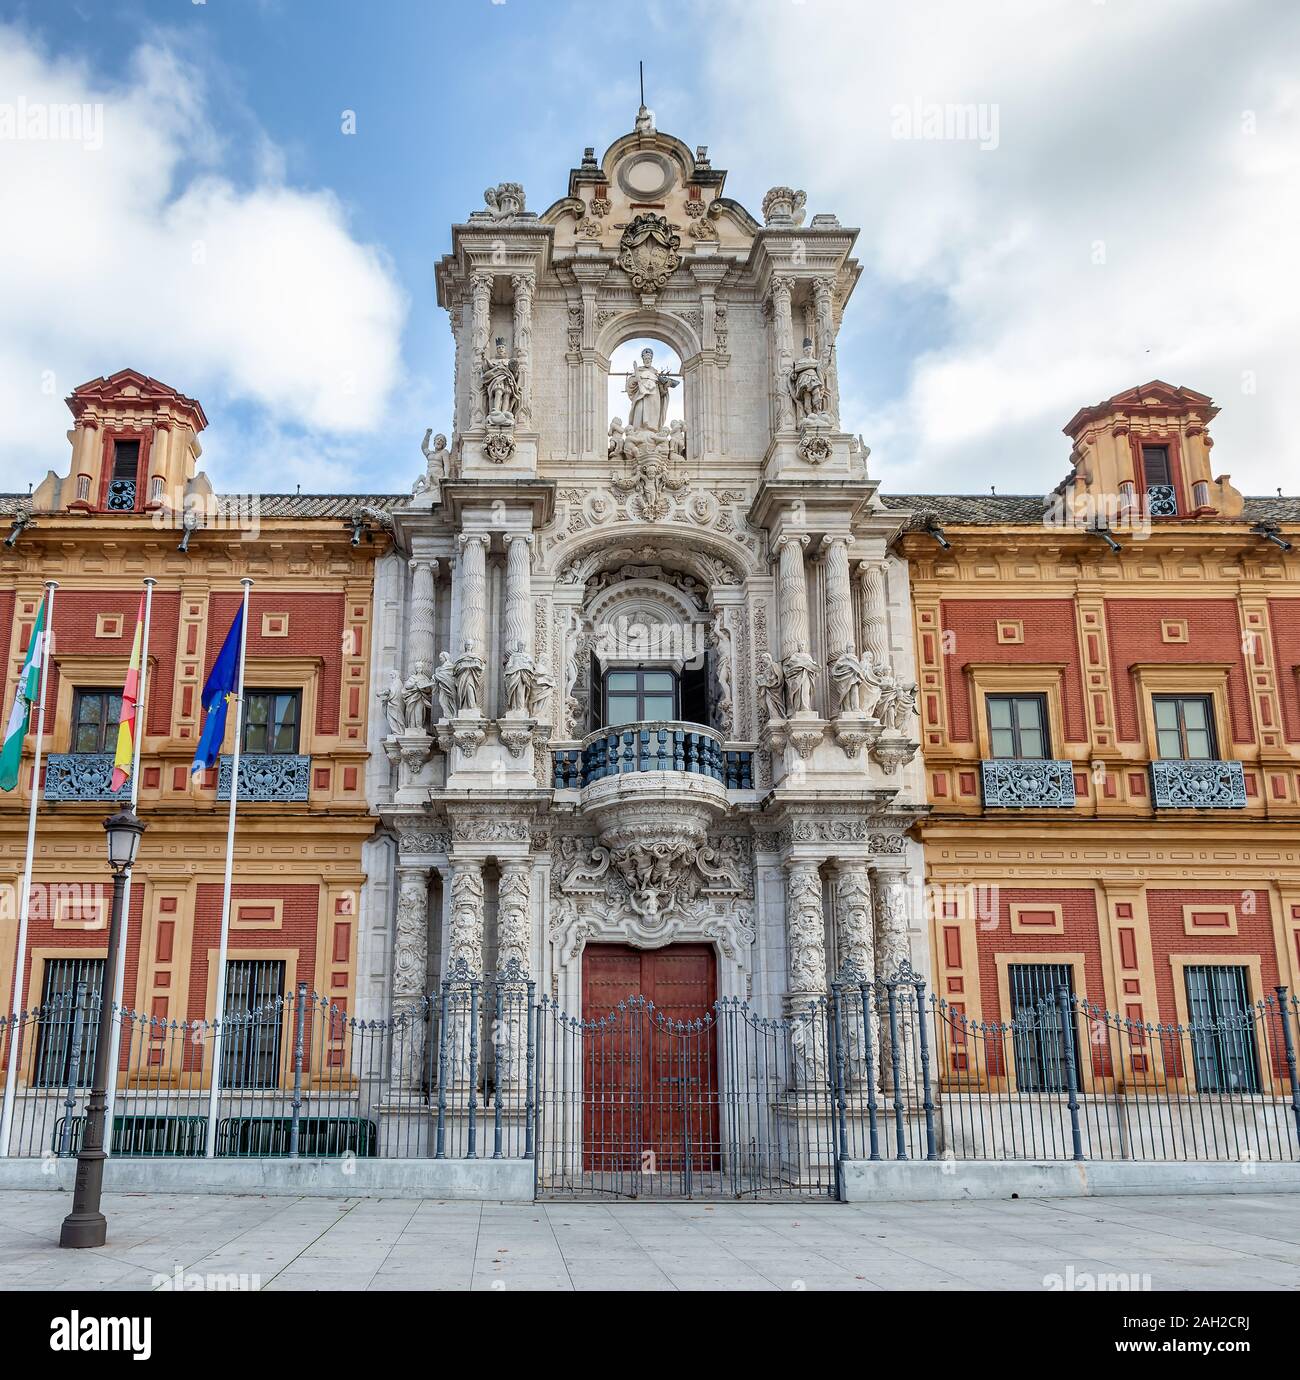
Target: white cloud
1135, 220
143, 252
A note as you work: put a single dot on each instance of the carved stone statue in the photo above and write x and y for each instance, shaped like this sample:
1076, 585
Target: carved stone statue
897, 701
436, 464
720, 643
849, 676
500, 388
800, 673
468, 672
417, 699
808, 388
444, 683
394, 707
677, 439
771, 684
647, 391
520, 675
505, 200
540, 691
617, 440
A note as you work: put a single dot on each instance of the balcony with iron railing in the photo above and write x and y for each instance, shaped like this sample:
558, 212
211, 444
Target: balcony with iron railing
74, 776
276, 777
1027, 783
283, 778
662, 746
1197, 784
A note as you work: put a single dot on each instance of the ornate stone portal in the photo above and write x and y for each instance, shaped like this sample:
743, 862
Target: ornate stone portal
762, 803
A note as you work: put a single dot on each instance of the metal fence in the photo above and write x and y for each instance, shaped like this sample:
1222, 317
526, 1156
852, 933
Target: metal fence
448, 1076
915, 1077
636, 1103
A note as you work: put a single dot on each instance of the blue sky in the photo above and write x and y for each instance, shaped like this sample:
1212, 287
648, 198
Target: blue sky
983, 318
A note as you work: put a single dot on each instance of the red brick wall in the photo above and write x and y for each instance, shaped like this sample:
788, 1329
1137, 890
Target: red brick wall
315, 629
1213, 634
1254, 936
297, 931
1079, 921
1284, 617
74, 634
1050, 636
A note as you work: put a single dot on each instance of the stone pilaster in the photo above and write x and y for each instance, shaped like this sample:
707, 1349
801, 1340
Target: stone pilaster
824, 311
518, 631
522, 283
782, 351
480, 330
410, 964
792, 592
465, 928
875, 615
805, 938
514, 947
893, 951
854, 924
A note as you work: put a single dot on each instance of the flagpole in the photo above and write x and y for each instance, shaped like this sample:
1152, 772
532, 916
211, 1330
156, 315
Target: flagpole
119, 977
220, 1004
20, 958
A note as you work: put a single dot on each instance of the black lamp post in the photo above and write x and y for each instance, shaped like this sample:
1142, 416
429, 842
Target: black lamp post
85, 1224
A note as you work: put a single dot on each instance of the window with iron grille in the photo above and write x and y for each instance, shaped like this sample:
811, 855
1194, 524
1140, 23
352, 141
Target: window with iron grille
94, 720
251, 1029
271, 720
1184, 727
1039, 1032
1017, 725
1222, 1023
60, 1018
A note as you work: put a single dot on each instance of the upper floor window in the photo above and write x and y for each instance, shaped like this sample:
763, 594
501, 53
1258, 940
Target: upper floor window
271, 720
125, 473
1017, 725
639, 696
1157, 479
1184, 727
94, 719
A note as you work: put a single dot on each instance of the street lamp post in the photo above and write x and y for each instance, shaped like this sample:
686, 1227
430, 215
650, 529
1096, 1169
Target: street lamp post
85, 1225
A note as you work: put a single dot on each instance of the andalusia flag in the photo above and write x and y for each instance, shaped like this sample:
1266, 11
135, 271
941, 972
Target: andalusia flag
29, 687
124, 757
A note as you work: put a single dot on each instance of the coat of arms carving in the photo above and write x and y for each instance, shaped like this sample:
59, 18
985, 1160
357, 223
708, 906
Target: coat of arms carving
647, 253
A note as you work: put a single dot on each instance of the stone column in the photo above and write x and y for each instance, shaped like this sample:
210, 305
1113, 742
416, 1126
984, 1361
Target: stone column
839, 599
472, 569
792, 592
514, 948
519, 595
410, 963
523, 322
875, 615
782, 351
420, 629
856, 964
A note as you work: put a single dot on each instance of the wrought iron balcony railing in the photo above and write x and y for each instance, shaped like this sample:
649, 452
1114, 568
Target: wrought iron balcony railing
1028, 783
267, 776
81, 776
1198, 785
1161, 500
653, 747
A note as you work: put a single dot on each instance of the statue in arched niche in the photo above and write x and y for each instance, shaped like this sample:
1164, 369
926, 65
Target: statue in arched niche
647, 392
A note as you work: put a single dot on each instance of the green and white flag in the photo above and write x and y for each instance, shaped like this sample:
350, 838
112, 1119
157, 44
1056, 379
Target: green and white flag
29, 687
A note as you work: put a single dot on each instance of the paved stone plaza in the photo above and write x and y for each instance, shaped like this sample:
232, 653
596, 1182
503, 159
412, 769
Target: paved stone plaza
169, 1241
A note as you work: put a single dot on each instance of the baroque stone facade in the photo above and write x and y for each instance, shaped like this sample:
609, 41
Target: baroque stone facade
739, 550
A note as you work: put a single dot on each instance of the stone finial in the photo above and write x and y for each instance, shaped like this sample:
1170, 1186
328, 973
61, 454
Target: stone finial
505, 201
784, 206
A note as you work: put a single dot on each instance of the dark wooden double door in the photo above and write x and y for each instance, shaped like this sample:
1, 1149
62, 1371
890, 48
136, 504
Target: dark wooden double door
650, 1061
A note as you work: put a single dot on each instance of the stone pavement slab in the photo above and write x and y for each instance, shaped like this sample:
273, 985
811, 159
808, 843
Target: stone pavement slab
1194, 1242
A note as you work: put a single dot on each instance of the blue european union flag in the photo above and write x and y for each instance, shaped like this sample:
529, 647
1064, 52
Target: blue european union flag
221, 685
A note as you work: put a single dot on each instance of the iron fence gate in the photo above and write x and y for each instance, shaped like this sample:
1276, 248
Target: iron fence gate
729, 1105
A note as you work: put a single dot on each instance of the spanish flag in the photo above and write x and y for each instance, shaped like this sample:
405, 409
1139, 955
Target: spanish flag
124, 757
